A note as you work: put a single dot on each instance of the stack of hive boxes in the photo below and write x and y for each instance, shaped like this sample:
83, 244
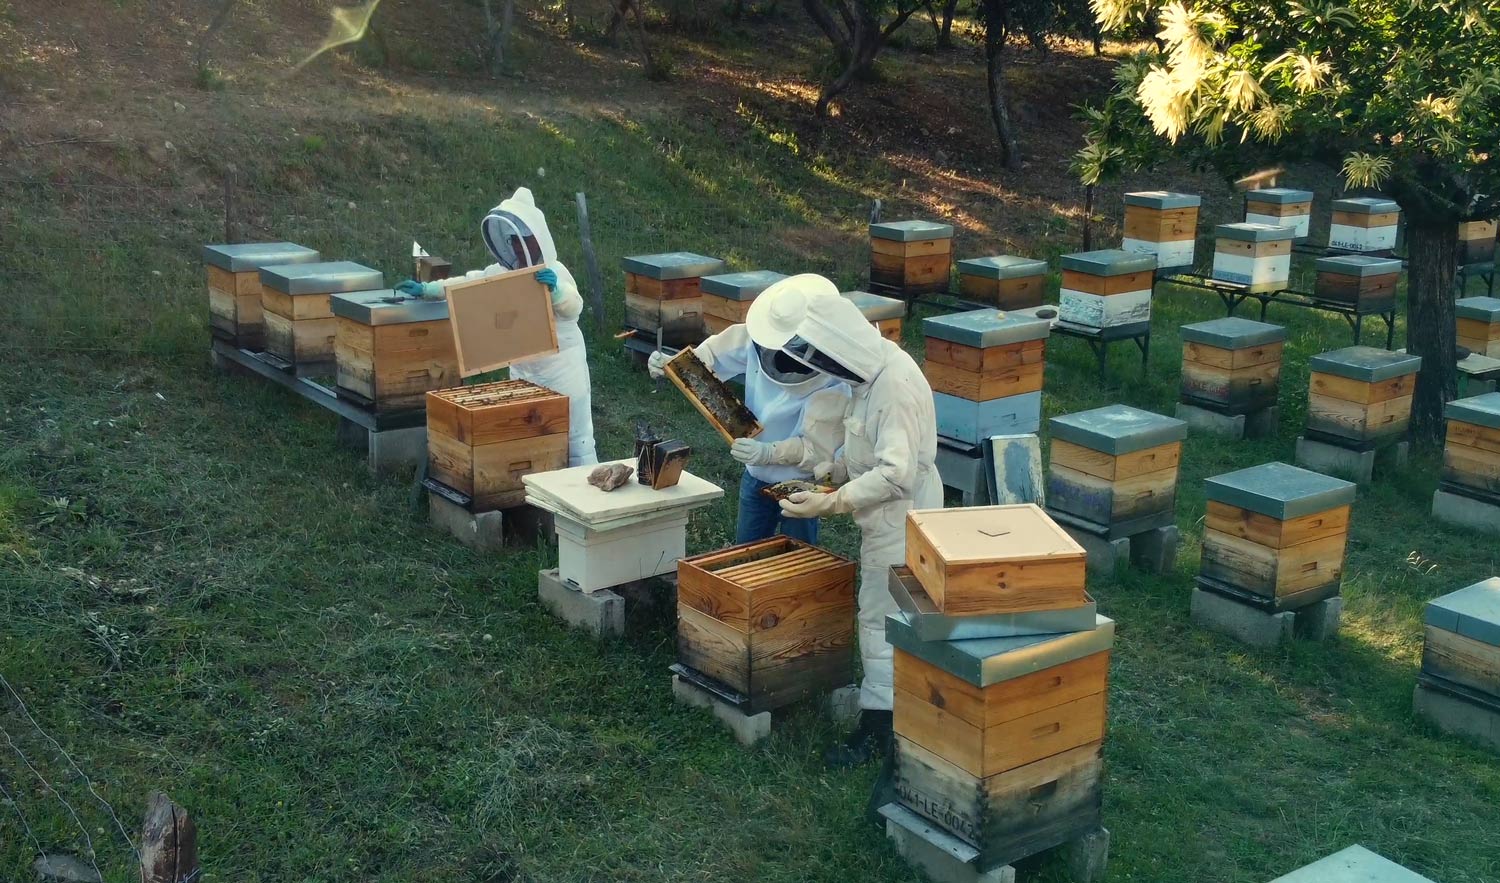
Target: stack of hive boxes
727, 297
1459, 686
1231, 366
1004, 281
482, 439
885, 313
764, 624
985, 368
1164, 224
298, 309
662, 292
1364, 282
1471, 459
1364, 225
1257, 256
391, 349
1479, 325
1280, 207
1359, 397
1001, 677
911, 257
234, 310
1113, 470
1106, 289
1476, 242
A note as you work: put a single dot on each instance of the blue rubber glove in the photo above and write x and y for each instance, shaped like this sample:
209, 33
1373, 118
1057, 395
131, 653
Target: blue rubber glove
413, 288
548, 277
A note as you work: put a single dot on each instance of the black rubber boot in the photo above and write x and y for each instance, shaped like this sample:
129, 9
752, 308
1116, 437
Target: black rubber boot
870, 739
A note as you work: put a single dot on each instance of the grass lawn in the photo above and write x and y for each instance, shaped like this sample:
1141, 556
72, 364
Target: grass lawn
201, 593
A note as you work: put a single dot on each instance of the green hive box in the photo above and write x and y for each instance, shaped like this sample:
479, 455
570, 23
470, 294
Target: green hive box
1361, 395
1113, 470
1004, 281
1231, 365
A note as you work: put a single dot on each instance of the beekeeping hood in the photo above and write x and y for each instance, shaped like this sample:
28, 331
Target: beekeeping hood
835, 337
515, 231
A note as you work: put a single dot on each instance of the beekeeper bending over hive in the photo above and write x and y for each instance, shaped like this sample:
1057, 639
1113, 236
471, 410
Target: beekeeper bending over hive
516, 234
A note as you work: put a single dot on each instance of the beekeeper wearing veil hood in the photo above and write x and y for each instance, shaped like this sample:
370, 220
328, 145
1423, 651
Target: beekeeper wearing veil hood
790, 400
889, 455
516, 234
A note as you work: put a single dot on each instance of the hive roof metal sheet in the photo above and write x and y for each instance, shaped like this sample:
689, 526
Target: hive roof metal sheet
1279, 196
1163, 199
383, 306
1108, 262
1117, 429
673, 265
1473, 612
1255, 232
986, 661
1480, 410
877, 306
739, 286
1358, 265
1280, 490
1365, 363
1485, 309
242, 257
1233, 333
1353, 865
986, 328
1002, 266
328, 277
1366, 205
911, 231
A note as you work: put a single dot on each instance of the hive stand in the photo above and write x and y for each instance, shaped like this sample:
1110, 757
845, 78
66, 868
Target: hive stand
663, 292
1273, 554
487, 531
1162, 224
1231, 376
1353, 865
1358, 409
1112, 485
947, 859
727, 297
885, 313
1003, 281
1280, 207
910, 258
1363, 225
606, 613
1458, 689
233, 271
296, 303
1468, 493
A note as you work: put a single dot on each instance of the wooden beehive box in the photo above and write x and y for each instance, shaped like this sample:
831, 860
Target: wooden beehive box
663, 291
994, 559
998, 740
1461, 646
1362, 281
1115, 469
1275, 535
1232, 365
482, 439
1361, 393
1257, 256
913, 257
1003, 281
885, 313
986, 369
768, 622
298, 309
1280, 207
1479, 325
1476, 242
1471, 454
1105, 289
727, 297
390, 349
233, 271
1163, 224
1364, 224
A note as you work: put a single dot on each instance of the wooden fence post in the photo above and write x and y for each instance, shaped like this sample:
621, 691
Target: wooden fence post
229, 207
591, 262
169, 843
875, 212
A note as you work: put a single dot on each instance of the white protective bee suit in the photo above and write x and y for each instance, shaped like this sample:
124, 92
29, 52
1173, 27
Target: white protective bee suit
889, 452
567, 370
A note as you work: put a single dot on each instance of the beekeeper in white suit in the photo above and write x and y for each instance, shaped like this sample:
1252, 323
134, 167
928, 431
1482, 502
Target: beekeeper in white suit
789, 399
516, 234
889, 456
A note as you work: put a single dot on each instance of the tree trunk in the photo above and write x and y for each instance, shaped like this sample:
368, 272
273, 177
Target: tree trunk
994, 47
617, 10
863, 45
1431, 332
499, 34
945, 36
1088, 218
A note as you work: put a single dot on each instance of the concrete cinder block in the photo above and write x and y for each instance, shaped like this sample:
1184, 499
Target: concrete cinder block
528, 526
748, 729
1263, 423
1241, 621
483, 532
1212, 422
1104, 554
1465, 512
387, 450
1155, 551
1086, 857
1356, 466
1320, 621
1457, 716
601, 613
936, 853
843, 704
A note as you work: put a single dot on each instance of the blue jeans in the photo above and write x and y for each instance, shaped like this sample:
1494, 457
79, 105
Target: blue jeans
760, 516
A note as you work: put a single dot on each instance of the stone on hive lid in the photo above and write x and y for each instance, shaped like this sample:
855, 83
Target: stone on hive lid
673, 265
1108, 262
384, 306
1485, 309
740, 286
1279, 490
911, 231
1365, 363
1473, 612
986, 661
1365, 205
1233, 333
1279, 196
246, 256
1480, 410
328, 277
1353, 865
1359, 265
1255, 232
1163, 199
1002, 266
876, 306
985, 328
1117, 429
